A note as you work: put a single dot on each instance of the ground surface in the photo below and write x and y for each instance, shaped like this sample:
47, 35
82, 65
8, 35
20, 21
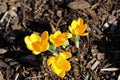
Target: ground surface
98, 56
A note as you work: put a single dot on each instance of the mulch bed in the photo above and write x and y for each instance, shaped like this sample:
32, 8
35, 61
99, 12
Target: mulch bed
98, 57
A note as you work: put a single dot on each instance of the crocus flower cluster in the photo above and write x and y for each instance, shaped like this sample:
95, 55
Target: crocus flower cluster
58, 62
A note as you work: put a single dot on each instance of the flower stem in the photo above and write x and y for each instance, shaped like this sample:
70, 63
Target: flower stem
53, 50
66, 44
77, 44
76, 41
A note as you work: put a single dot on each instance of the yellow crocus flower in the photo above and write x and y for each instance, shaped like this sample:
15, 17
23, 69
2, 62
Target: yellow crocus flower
78, 28
37, 44
59, 64
59, 38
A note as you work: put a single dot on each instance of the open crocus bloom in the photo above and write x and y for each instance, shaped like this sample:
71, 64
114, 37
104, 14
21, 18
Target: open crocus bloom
59, 64
59, 38
37, 44
78, 28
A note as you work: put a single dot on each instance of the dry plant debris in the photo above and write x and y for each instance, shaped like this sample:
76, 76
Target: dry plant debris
95, 56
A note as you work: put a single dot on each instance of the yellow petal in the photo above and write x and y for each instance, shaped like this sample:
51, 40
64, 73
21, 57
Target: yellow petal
40, 46
72, 30
50, 60
35, 52
74, 24
78, 30
35, 37
55, 69
80, 21
60, 62
57, 33
44, 36
27, 40
83, 28
44, 46
58, 42
29, 46
63, 64
65, 55
52, 38
28, 43
36, 46
62, 74
67, 65
69, 35
66, 35
84, 34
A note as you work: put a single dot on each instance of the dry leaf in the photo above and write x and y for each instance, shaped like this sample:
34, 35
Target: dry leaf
3, 51
79, 5
83, 5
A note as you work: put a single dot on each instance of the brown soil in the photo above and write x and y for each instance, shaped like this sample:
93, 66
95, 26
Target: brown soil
98, 57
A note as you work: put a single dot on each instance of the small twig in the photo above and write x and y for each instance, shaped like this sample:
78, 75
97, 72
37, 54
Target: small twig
115, 2
98, 30
2, 19
33, 77
95, 5
58, 23
97, 36
91, 13
16, 77
109, 69
8, 23
24, 24
52, 27
26, 6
